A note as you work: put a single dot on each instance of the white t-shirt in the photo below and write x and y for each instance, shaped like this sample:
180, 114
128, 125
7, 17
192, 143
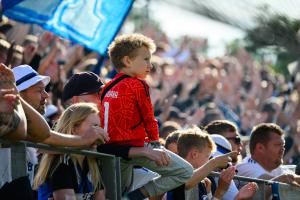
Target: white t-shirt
5, 168
250, 168
31, 160
141, 176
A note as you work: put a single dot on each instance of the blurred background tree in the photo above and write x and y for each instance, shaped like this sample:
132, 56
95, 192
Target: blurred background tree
277, 34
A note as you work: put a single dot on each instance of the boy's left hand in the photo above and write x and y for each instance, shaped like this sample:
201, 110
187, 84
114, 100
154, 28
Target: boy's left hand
159, 156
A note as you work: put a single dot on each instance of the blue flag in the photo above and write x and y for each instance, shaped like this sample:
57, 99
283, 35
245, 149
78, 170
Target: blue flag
92, 23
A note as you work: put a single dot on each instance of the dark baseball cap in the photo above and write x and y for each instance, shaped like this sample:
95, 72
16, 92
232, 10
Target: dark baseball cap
80, 84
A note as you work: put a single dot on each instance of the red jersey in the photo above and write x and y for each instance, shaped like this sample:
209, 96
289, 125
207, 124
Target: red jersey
127, 113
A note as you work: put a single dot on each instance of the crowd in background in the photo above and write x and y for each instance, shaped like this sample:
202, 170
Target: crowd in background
186, 87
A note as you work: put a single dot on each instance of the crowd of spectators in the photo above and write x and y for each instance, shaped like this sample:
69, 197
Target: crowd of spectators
232, 104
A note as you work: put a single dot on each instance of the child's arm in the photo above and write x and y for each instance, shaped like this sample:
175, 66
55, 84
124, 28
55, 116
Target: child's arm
203, 171
39, 131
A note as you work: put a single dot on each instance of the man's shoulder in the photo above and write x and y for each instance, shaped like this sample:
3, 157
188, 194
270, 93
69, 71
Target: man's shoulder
247, 161
250, 168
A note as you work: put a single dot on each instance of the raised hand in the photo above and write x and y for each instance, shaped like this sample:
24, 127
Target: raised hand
197, 116
8, 100
224, 160
45, 40
6, 74
287, 178
247, 191
207, 184
225, 179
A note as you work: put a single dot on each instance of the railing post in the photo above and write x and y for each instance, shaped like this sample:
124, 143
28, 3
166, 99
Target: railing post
110, 178
118, 178
289, 192
110, 164
260, 194
18, 160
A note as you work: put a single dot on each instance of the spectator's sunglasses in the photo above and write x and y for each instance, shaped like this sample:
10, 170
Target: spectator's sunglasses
237, 140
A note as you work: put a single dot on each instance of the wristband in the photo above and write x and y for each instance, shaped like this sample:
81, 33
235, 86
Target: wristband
155, 144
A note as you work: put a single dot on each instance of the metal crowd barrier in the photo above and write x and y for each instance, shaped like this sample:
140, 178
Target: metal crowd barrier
111, 170
285, 191
110, 164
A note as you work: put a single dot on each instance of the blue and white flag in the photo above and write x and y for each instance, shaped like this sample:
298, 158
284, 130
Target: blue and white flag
92, 23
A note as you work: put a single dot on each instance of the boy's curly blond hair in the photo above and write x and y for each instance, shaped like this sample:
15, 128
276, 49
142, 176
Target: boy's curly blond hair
127, 45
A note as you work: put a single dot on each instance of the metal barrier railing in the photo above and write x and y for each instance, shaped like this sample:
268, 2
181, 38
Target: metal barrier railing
286, 191
110, 170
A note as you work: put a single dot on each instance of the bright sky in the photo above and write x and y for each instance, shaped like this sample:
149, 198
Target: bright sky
177, 22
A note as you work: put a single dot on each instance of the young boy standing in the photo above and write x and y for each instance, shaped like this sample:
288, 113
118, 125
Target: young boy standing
127, 115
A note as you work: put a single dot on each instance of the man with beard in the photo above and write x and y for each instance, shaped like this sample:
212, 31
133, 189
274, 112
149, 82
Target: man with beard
31, 87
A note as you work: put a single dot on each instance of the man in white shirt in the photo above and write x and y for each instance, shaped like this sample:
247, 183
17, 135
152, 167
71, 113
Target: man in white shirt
266, 155
251, 168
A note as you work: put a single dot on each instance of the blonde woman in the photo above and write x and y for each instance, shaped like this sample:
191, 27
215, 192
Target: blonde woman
71, 176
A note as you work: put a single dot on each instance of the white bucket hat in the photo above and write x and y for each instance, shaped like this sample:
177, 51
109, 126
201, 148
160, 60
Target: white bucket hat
222, 144
26, 77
